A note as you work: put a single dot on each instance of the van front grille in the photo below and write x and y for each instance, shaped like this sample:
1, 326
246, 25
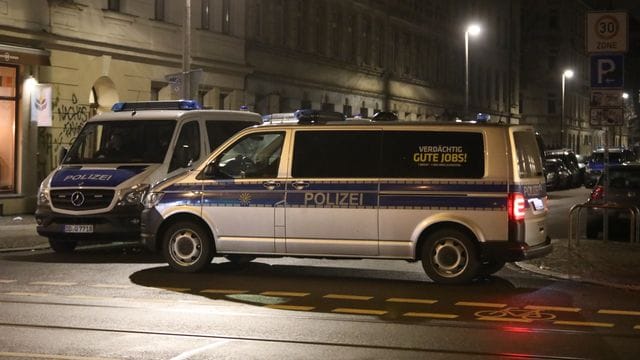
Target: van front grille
86, 199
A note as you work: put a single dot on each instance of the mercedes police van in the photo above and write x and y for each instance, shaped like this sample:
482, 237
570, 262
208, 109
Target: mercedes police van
461, 198
95, 193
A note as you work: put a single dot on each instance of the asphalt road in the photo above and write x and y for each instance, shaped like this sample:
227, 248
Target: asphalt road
120, 303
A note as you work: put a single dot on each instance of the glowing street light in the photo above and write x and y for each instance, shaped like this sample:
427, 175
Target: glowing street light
473, 30
567, 74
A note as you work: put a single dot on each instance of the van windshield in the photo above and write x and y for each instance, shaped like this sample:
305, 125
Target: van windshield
123, 142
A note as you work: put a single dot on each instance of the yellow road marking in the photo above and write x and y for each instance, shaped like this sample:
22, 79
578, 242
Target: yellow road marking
26, 294
412, 301
552, 308
637, 327
359, 311
88, 297
619, 312
504, 319
347, 297
431, 315
175, 289
290, 307
52, 283
284, 293
4, 281
111, 286
480, 304
583, 323
47, 356
223, 291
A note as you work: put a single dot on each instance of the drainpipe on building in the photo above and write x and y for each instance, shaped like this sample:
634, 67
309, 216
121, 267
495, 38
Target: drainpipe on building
186, 52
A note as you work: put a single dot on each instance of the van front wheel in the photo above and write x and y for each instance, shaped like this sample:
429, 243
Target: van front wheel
450, 257
187, 247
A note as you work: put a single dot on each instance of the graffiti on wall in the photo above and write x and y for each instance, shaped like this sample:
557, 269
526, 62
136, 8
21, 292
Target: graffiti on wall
71, 117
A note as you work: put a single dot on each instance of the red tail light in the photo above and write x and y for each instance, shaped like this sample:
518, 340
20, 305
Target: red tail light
516, 206
597, 193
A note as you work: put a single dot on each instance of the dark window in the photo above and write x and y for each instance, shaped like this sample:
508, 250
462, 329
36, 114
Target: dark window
254, 156
226, 17
159, 10
551, 106
204, 15
113, 5
432, 154
187, 150
219, 131
305, 104
336, 154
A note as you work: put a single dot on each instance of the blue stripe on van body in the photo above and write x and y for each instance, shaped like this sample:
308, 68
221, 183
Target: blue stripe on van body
180, 199
398, 201
243, 198
444, 187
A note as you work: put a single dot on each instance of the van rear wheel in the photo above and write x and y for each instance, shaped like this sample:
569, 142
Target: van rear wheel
450, 257
187, 246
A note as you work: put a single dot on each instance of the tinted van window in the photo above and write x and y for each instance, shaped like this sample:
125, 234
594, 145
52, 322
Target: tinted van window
336, 154
433, 154
219, 131
527, 154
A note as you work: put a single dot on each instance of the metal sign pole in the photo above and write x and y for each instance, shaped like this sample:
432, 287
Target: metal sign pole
605, 173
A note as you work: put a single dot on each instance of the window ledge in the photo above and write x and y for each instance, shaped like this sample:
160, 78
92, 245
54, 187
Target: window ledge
117, 15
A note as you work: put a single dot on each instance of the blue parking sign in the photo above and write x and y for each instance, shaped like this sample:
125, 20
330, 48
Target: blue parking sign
607, 71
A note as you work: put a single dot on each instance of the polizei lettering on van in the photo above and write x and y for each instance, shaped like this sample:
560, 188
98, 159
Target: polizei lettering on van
333, 199
99, 177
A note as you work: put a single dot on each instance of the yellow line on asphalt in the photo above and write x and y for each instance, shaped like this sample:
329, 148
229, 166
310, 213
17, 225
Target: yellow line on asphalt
290, 307
176, 289
619, 312
4, 281
552, 308
111, 286
52, 283
480, 304
284, 293
412, 301
431, 315
583, 323
47, 356
27, 294
359, 311
347, 297
503, 319
223, 291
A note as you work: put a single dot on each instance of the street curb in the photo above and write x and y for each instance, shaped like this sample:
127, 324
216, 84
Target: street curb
28, 248
558, 275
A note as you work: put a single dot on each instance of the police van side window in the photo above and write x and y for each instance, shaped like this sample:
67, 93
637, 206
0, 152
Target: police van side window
433, 154
254, 156
527, 154
336, 154
187, 150
219, 131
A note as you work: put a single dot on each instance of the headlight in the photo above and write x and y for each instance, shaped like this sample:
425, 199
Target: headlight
152, 199
132, 195
43, 195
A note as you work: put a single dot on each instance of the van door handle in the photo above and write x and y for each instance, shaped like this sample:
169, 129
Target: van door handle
270, 185
300, 185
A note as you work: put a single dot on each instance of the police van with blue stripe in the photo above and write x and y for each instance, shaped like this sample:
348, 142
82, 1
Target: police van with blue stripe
95, 194
463, 199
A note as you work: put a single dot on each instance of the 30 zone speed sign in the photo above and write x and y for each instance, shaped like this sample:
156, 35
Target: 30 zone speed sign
606, 32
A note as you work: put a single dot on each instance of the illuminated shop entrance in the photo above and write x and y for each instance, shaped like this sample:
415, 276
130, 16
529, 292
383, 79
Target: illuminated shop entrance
7, 129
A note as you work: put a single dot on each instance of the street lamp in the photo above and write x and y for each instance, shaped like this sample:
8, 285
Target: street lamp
473, 30
567, 74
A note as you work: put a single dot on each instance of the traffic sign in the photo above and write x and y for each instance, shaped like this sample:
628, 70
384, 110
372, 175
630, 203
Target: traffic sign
607, 32
607, 98
606, 117
607, 71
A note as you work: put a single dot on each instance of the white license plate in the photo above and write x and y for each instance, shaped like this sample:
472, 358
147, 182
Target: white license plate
78, 228
537, 204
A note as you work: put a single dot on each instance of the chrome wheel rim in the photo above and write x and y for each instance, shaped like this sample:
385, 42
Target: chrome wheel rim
449, 257
185, 247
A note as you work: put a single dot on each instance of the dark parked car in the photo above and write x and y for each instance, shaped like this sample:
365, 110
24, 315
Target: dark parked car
624, 191
570, 160
557, 175
596, 162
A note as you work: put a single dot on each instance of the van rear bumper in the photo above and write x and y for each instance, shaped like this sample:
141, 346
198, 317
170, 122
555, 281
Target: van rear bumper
512, 251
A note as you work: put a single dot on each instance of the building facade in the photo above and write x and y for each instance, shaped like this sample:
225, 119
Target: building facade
356, 57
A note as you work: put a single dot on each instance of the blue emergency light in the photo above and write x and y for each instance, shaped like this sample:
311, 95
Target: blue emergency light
156, 105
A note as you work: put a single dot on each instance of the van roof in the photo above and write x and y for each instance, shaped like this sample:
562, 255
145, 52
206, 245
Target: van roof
234, 115
392, 124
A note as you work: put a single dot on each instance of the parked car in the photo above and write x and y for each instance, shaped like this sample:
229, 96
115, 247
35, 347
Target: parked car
596, 162
557, 175
570, 160
624, 192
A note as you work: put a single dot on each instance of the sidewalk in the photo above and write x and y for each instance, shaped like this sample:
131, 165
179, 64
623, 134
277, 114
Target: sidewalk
611, 263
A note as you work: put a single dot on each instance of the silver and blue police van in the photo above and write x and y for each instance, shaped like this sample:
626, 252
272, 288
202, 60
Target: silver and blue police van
463, 199
95, 194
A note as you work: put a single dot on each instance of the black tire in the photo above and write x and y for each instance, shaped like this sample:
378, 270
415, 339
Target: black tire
491, 267
449, 256
62, 246
187, 246
240, 260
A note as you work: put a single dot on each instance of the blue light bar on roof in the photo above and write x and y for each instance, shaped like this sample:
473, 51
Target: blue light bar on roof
156, 105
